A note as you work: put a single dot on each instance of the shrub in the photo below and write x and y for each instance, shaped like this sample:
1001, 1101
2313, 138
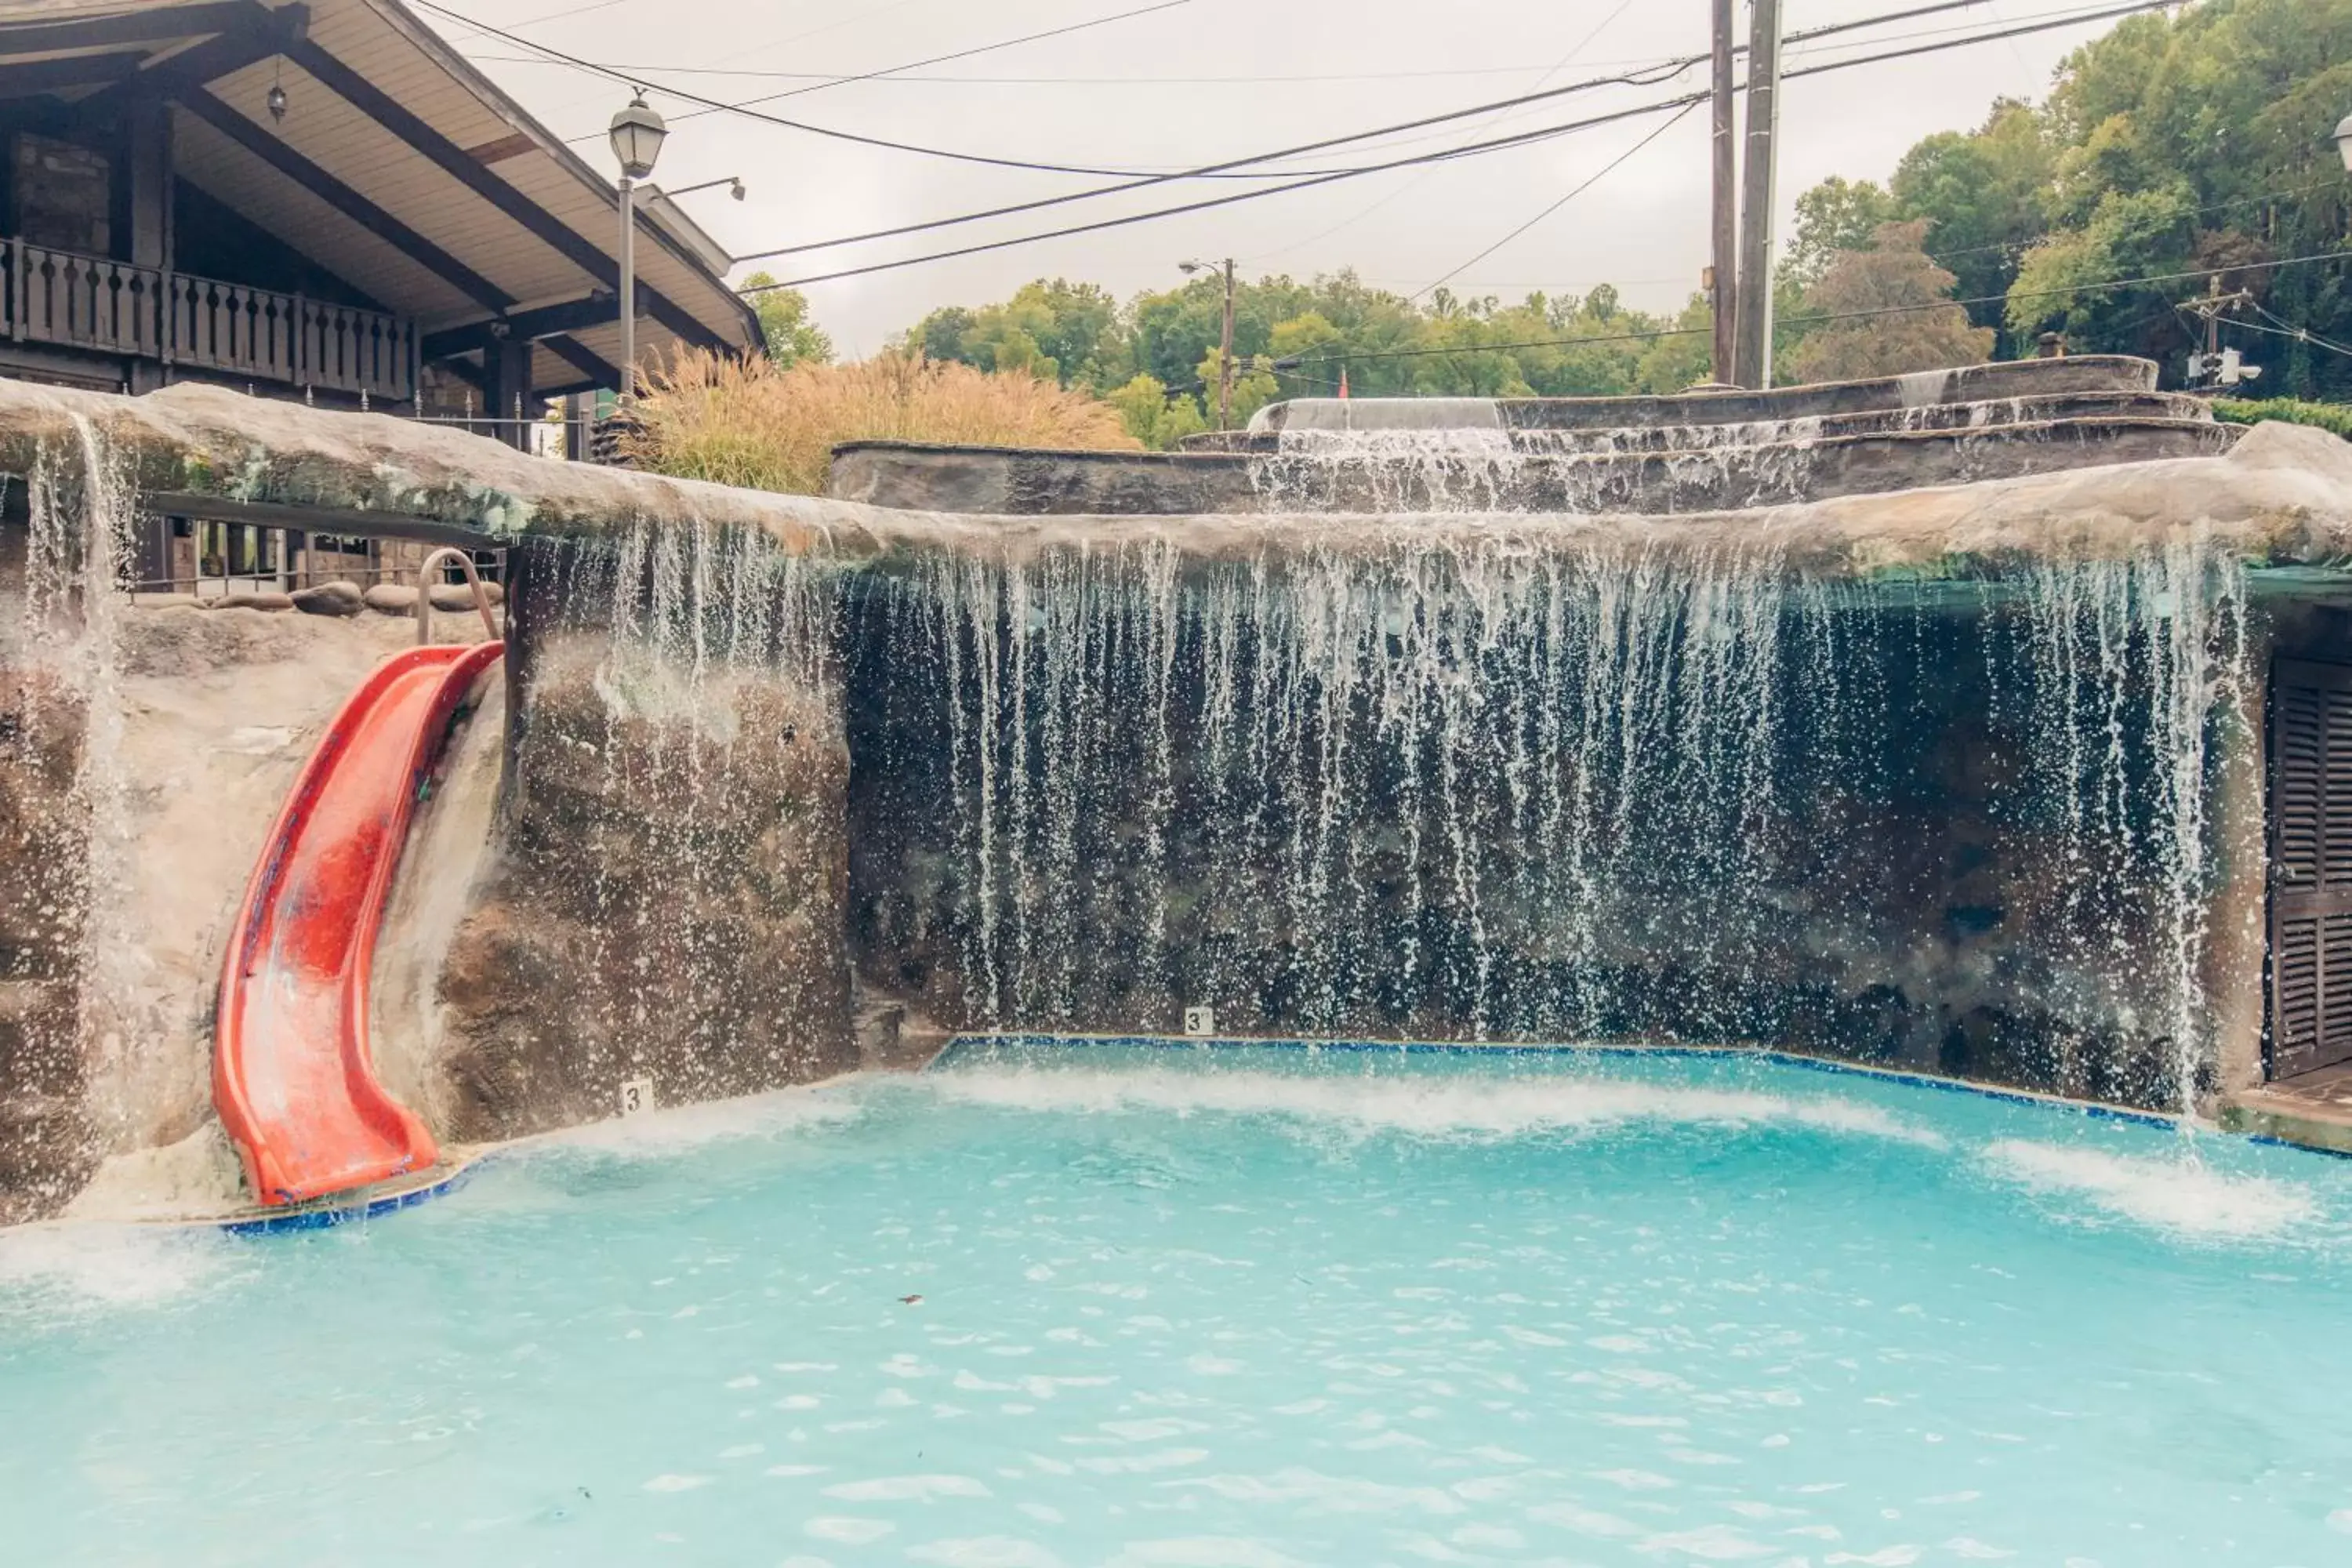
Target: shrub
2331, 416
752, 424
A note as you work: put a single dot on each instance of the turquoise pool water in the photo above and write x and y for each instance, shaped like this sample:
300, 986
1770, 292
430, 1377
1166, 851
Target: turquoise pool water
1231, 1308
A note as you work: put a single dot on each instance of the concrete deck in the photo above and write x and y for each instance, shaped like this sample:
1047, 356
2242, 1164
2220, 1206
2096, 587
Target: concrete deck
2313, 1110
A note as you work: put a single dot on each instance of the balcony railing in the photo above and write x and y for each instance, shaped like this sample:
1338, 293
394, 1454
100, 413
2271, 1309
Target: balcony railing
51, 296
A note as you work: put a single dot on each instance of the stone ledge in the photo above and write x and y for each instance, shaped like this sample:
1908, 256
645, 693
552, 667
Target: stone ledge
2314, 1112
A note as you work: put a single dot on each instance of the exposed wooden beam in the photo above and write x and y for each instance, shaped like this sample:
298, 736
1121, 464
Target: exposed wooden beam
73, 70
581, 251
467, 371
152, 24
600, 372
544, 322
499, 150
256, 34
273, 151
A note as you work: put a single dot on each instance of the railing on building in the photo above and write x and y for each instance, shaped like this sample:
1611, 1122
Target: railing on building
62, 297
213, 560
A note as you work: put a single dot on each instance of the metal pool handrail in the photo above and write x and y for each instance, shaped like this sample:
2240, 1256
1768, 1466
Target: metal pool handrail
425, 593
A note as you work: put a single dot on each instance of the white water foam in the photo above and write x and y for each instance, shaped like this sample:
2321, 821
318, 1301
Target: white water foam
1484, 1108
675, 1130
70, 1267
2176, 1192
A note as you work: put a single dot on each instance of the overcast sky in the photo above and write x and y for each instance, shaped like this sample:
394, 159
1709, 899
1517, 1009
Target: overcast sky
1203, 81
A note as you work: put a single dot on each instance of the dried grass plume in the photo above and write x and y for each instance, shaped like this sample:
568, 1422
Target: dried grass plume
747, 423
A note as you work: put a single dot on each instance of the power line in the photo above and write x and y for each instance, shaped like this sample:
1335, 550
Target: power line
1327, 177
639, 77
2288, 329
1820, 317
942, 59
1209, 171
1520, 138
1573, 193
896, 77
640, 80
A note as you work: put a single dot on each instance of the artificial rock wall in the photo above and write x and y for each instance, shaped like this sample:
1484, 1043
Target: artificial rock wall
664, 898
2000, 828
1967, 778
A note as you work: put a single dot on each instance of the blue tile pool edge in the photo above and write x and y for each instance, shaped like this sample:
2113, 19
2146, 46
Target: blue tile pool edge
328, 1215
965, 1044
324, 1215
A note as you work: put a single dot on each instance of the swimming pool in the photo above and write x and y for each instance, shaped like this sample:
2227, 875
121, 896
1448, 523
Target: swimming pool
1231, 1307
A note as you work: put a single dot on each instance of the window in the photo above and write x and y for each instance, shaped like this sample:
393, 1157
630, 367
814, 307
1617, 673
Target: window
64, 194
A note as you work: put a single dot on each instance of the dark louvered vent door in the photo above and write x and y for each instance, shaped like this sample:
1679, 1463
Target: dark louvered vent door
2311, 865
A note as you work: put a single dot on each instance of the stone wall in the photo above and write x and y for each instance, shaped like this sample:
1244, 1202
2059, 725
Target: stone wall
46, 1146
2008, 830
664, 896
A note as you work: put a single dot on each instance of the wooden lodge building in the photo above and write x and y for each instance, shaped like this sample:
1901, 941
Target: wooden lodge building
316, 200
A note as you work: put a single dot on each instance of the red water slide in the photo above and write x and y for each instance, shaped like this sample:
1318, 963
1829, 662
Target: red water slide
291, 1072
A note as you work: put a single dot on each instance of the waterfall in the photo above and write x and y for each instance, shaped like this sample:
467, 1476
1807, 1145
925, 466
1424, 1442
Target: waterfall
1491, 468
60, 685
1554, 783
677, 840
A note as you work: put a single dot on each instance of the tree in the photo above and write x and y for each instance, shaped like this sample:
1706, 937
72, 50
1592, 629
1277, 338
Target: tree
1836, 215
1672, 363
1254, 387
784, 323
1983, 196
1892, 275
1151, 416
2065, 281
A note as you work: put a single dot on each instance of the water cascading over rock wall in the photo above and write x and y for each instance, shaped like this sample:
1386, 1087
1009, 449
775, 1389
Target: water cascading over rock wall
61, 725
1540, 785
667, 903
1966, 777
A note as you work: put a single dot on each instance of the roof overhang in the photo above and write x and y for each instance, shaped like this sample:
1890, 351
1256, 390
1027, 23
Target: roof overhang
397, 167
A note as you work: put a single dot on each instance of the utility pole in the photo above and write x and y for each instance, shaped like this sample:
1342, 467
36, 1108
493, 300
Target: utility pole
1226, 356
2216, 368
1722, 282
1753, 361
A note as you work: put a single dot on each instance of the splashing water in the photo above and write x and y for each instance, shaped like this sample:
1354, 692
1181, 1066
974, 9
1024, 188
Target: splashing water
1557, 786
59, 655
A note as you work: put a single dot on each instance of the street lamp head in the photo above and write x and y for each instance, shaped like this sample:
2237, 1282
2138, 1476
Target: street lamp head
738, 190
637, 134
2344, 140
1188, 268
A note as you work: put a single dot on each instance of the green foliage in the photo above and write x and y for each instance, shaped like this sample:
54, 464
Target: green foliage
1836, 215
1983, 196
1890, 280
1563, 346
785, 322
2191, 143
1151, 416
2335, 418
2170, 145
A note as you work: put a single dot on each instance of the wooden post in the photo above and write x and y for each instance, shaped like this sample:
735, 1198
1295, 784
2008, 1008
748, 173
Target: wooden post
1752, 358
1723, 284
